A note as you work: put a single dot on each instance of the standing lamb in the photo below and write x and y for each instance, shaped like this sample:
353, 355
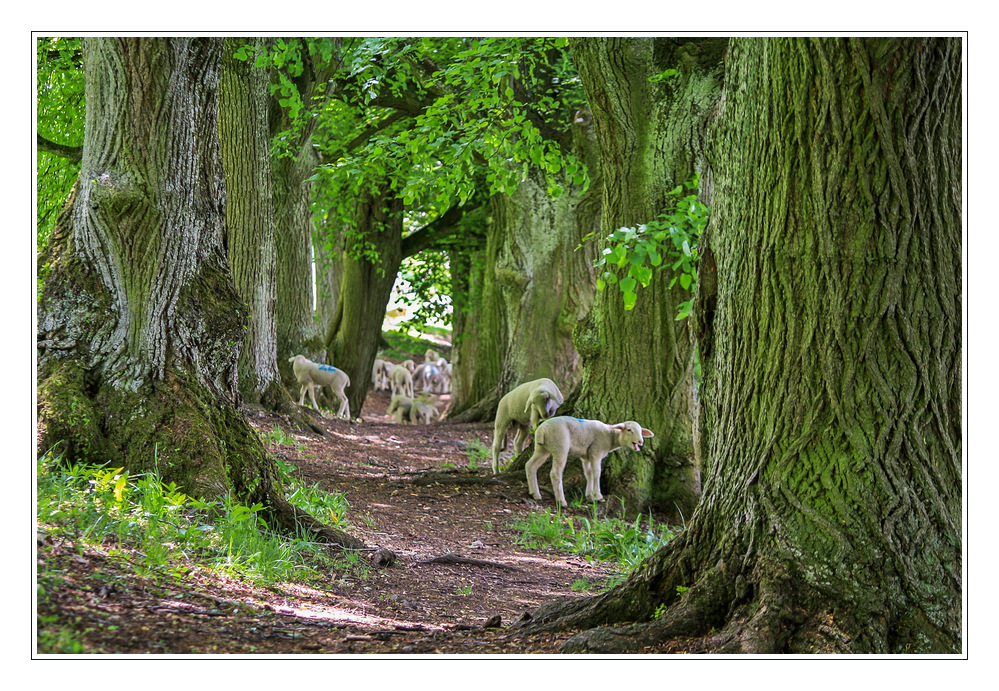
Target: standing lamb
402, 380
522, 409
381, 370
423, 412
310, 375
590, 440
426, 376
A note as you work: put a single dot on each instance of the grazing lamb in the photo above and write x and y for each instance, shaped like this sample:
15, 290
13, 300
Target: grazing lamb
310, 375
431, 356
423, 412
445, 376
402, 380
400, 408
521, 409
590, 440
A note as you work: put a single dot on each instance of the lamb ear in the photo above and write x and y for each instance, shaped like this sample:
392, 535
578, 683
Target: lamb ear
647, 433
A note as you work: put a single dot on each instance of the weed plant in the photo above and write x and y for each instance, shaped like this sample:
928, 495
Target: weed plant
478, 454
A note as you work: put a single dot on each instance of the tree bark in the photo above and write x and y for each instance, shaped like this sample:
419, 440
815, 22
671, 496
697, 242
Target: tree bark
297, 330
352, 336
140, 325
327, 247
535, 287
297, 333
245, 148
831, 519
638, 364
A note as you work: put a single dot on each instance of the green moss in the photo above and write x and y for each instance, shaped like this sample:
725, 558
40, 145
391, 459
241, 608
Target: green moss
69, 423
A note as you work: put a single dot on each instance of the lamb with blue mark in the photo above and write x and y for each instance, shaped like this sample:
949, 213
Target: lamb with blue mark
559, 438
312, 374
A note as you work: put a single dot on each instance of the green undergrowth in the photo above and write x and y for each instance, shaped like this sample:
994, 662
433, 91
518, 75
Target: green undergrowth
159, 530
614, 541
478, 454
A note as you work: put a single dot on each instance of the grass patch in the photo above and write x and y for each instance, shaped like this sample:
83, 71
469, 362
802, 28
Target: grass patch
478, 454
164, 531
617, 542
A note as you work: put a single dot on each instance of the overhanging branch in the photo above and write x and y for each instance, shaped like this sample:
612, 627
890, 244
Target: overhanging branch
442, 227
73, 154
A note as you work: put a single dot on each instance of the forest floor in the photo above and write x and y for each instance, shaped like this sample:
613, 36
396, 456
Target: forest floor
411, 490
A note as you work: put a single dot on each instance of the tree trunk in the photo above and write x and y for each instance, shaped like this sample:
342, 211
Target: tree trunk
638, 364
467, 264
297, 330
245, 147
352, 337
831, 520
327, 247
535, 288
297, 333
140, 325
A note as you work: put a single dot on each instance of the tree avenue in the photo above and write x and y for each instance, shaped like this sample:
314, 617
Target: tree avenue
831, 349
807, 414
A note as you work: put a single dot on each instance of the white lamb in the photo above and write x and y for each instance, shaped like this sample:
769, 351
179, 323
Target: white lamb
520, 410
590, 440
402, 380
310, 375
381, 371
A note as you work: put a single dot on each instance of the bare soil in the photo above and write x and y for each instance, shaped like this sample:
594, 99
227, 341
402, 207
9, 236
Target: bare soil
411, 491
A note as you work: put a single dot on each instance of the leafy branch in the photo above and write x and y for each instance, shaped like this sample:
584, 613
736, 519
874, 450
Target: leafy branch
668, 240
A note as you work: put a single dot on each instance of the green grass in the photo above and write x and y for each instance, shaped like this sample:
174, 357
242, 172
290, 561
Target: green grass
279, 436
163, 531
478, 454
620, 543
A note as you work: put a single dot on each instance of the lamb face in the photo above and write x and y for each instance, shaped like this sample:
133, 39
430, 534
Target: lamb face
632, 434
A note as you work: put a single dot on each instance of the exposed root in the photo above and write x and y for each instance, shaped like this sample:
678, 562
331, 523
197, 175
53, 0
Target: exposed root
458, 559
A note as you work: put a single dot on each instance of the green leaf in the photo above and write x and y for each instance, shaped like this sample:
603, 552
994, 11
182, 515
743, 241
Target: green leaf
629, 300
628, 284
643, 274
655, 259
685, 281
684, 309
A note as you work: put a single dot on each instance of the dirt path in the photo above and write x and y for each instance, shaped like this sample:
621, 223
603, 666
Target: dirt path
411, 491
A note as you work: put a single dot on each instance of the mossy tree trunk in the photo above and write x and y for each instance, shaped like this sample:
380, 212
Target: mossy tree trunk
831, 519
245, 147
638, 364
140, 324
327, 248
365, 288
535, 287
297, 330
